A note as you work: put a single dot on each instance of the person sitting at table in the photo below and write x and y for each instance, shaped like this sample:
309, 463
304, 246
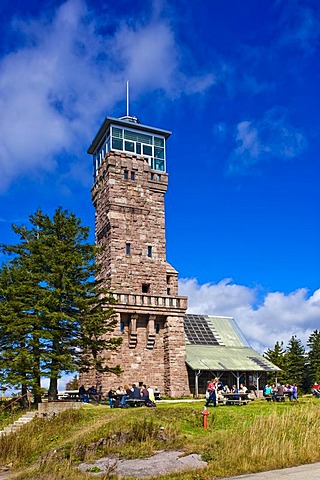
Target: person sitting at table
144, 393
93, 393
234, 390
151, 394
122, 394
128, 391
135, 392
243, 388
111, 397
226, 389
278, 392
293, 395
268, 391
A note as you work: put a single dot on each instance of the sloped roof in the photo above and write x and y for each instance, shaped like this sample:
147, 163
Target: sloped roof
217, 343
233, 359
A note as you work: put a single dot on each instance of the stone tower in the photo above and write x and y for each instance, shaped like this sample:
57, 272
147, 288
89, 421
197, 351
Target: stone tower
130, 182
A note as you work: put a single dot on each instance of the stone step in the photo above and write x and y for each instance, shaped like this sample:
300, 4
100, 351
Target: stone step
22, 421
13, 427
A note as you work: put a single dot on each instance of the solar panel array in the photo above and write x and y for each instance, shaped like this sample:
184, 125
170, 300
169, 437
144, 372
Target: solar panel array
198, 331
261, 363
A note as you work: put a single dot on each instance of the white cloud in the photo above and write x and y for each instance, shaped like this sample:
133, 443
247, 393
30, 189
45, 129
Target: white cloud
265, 139
276, 318
299, 26
67, 75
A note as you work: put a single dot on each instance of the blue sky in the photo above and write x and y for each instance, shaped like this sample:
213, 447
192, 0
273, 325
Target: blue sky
238, 85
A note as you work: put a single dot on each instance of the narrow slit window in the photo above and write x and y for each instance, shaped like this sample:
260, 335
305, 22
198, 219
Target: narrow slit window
133, 175
128, 248
125, 174
149, 251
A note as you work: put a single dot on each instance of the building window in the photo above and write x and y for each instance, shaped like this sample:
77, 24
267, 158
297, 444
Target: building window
145, 287
133, 175
125, 174
168, 291
121, 327
117, 144
157, 327
147, 150
128, 248
129, 146
151, 176
139, 143
149, 251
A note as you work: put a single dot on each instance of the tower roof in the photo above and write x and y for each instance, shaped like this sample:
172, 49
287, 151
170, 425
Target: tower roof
124, 122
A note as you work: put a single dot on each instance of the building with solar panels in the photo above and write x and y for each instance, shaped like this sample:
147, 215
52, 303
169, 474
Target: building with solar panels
215, 346
162, 346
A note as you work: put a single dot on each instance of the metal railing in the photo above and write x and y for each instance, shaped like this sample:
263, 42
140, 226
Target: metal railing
11, 404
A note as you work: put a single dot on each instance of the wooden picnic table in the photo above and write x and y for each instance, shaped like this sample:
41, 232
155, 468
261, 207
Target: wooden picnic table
236, 398
135, 402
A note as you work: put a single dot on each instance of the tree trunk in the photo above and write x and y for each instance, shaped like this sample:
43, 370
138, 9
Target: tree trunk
53, 388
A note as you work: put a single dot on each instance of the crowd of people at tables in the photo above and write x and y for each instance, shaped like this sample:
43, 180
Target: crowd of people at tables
118, 397
215, 388
278, 391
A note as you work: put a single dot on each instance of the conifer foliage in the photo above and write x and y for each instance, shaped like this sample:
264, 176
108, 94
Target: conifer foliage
314, 357
54, 316
297, 365
277, 357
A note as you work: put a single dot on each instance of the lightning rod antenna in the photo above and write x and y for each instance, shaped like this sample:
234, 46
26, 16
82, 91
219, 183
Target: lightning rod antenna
127, 98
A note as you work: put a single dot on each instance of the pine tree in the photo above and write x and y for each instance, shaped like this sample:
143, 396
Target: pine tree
277, 357
314, 357
295, 358
68, 315
20, 329
73, 384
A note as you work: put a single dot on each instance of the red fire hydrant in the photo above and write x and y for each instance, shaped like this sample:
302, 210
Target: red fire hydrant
205, 414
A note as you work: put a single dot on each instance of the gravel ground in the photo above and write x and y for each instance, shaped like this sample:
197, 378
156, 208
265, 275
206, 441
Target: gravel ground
159, 464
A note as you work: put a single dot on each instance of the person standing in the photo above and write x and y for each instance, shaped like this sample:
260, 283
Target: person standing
212, 389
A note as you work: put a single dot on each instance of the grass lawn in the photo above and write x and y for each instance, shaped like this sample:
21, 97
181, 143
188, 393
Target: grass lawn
239, 439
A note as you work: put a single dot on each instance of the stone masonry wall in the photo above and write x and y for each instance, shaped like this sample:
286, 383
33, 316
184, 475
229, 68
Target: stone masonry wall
131, 211
163, 366
176, 382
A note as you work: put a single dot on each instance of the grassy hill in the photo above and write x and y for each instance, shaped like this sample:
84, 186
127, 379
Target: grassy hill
259, 436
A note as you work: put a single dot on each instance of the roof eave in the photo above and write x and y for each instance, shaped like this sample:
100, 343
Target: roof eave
124, 123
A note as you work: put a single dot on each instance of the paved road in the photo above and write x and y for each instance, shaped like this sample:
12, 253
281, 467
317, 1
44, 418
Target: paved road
304, 472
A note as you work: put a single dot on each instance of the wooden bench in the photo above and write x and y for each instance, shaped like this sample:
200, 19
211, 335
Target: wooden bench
235, 401
238, 398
